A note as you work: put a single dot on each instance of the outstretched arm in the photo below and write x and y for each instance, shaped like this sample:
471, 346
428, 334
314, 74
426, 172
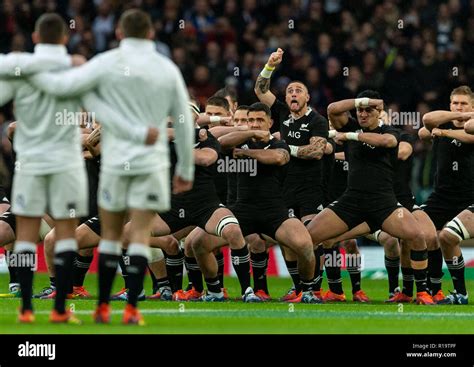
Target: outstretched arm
23, 64
73, 82
262, 85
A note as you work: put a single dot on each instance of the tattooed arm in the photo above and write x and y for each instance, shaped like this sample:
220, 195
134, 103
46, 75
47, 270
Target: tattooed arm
314, 150
278, 157
262, 90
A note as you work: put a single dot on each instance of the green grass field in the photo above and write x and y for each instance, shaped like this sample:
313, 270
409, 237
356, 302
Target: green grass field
236, 317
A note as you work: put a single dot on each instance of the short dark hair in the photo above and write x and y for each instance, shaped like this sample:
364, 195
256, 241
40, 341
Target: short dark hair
218, 101
259, 106
51, 28
243, 107
227, 92
368, 93
297, 81
135, 23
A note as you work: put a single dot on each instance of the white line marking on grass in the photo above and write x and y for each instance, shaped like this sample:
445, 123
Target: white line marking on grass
317, 313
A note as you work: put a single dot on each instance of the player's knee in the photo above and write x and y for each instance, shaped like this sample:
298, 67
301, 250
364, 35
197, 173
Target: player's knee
188, 248
391, 246
81, 237
453, 233
392, 251
171, 245
303, 247
233, 236
199, 247
48, 243
6, 233
415, 235
257, 245
448, 239
431, 241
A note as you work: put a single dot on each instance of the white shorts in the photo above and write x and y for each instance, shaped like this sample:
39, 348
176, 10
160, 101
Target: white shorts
62, 195
149, 191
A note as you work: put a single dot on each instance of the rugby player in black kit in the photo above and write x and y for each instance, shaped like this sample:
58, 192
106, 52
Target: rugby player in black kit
202, 207
371, 151
260, 207
305, 131
453, 186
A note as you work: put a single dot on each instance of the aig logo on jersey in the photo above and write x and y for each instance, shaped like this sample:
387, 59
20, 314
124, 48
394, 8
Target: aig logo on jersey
294, 134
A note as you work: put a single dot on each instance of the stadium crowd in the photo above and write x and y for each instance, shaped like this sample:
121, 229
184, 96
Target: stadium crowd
414, 52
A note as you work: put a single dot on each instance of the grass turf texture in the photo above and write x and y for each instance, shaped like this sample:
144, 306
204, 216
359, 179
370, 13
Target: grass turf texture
236, 317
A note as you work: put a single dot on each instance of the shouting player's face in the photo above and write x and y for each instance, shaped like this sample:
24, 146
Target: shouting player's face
297, 97
368, 117
258, 120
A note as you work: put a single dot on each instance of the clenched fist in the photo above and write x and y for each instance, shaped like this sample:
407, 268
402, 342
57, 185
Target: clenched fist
275, 58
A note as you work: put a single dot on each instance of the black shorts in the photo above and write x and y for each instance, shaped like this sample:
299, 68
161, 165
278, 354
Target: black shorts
264, 219
355, 209
441, 208
9, 218
334, 193
185, 213
471, 208
408, 202
304, 198
94, 224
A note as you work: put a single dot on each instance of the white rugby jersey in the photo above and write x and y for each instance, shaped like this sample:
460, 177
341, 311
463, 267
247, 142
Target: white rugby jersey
47, 137
42, 147
145, 88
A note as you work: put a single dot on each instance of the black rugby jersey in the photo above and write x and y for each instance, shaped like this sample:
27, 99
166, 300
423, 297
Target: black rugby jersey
454, 166
265, 185
203, 176
299, 132
371, 168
